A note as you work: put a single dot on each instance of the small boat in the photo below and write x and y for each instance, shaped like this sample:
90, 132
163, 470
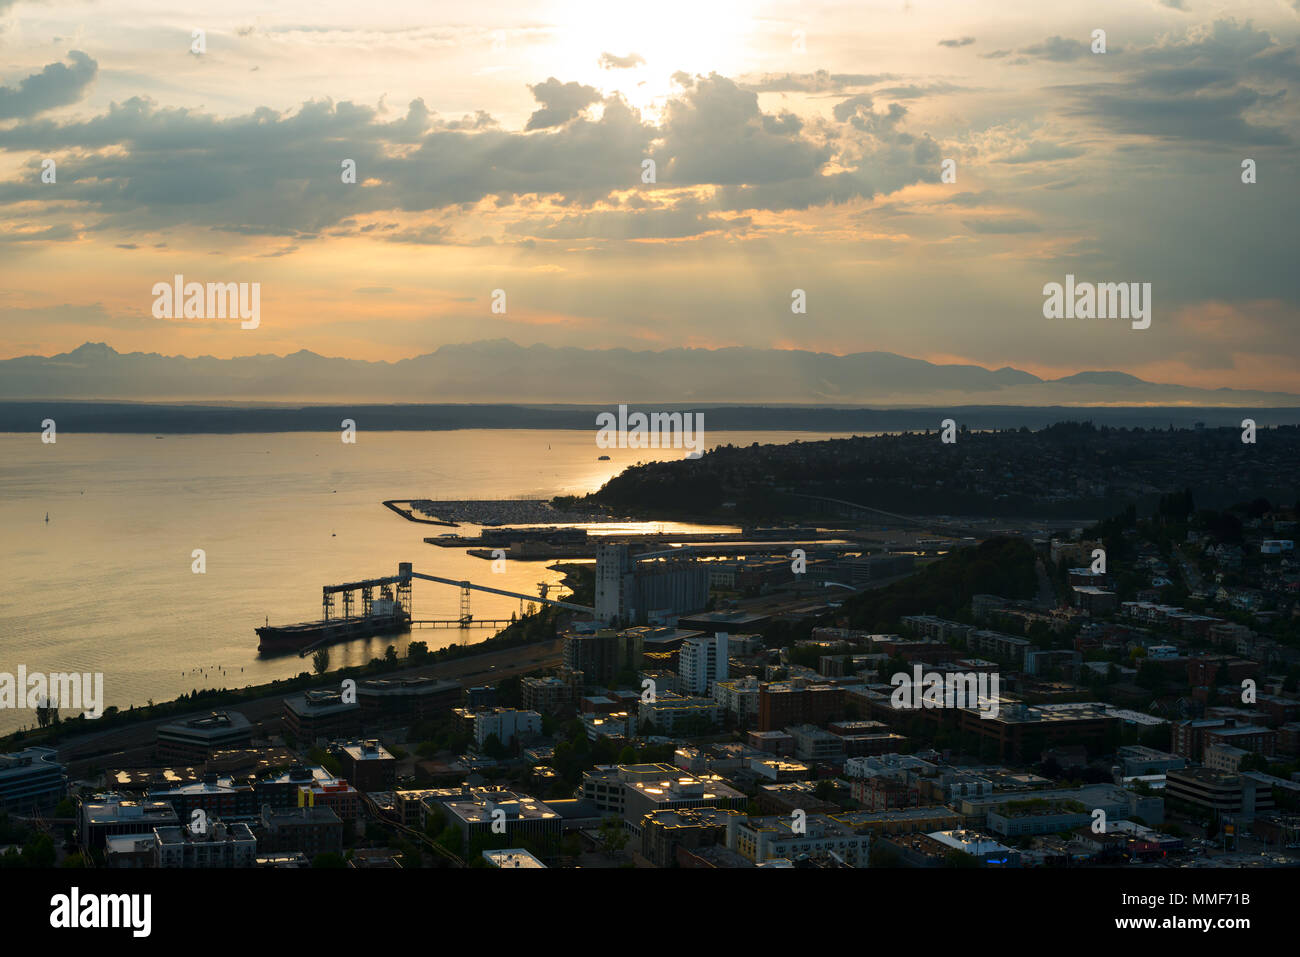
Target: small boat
602, 458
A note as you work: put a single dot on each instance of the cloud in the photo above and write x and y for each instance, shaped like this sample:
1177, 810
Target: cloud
1057, 49
268, 174
1001, 226
1206, 86
1041, 151
431, 235
561, 102
56, 85
914, 91
961, 42
859, 111
670, 223
608, 61
819, 82
715, 133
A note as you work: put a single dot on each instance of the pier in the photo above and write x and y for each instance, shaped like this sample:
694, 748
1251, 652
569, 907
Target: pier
463, 623
398, 587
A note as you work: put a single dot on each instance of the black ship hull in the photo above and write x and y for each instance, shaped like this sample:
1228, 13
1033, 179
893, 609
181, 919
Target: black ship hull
288, 639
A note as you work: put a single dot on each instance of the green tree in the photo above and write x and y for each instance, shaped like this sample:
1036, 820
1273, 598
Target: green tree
613, 837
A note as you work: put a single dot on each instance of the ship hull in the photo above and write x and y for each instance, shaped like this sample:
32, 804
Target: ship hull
288, 639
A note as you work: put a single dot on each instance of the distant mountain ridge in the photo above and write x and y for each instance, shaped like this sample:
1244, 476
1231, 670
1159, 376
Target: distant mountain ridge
499, 371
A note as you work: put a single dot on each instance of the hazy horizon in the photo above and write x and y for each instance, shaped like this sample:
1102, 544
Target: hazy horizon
798, 149
499, 371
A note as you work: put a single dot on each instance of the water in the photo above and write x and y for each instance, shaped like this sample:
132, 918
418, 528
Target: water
106, 585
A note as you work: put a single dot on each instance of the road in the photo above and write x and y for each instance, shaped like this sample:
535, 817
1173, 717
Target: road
125, 746
1046, 592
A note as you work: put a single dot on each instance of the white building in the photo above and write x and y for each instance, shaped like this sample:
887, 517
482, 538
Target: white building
614, 580
701, 662
507, 724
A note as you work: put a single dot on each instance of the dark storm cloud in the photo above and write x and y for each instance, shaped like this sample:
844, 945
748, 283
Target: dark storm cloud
56, 85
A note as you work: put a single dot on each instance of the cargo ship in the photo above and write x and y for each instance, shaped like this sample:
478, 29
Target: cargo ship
387, 617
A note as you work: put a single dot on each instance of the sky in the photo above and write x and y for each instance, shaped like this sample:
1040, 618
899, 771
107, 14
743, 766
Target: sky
796, 146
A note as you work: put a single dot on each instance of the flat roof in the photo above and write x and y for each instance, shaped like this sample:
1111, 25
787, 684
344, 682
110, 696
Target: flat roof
512, 857
516, 807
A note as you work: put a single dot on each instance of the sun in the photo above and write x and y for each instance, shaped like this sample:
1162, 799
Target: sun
663, 38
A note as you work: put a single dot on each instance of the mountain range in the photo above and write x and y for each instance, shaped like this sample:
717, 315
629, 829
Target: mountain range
500, 371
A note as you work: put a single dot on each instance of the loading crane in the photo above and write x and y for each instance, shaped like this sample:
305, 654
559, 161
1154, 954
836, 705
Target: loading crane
398, 587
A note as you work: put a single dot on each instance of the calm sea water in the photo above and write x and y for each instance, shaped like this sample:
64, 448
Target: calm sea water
106, 585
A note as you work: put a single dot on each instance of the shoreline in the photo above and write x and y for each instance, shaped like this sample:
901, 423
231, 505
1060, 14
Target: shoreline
264, 700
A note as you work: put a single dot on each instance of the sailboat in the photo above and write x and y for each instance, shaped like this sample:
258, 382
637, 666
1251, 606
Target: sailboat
47, 518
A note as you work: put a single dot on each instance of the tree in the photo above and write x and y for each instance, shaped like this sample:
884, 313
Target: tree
613, 837
328, 859
956, 858
47, 713
320, 661
881, 855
